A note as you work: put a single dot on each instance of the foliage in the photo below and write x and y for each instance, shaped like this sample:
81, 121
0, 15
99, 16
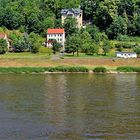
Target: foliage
21, 69
70, 69
106, 47
104, 19
124, 45
100, 69
56, 46
73, 44
3, 46
128, 69
35, 48
119, 26
137, 50
21, 43
43, 49
127, 38
94, 32
70, 26
42, 69
86, 42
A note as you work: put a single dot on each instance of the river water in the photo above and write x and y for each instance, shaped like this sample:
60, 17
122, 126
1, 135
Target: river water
70, 107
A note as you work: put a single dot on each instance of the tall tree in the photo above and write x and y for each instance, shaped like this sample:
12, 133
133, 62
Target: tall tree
73, 43
70, 25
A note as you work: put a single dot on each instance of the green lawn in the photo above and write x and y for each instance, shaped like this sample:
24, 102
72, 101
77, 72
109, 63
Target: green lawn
82, 55
24, 55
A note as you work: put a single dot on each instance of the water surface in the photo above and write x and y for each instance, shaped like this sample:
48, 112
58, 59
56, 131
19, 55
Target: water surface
70, 107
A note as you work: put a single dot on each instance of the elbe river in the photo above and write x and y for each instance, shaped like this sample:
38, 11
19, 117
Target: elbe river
69, 106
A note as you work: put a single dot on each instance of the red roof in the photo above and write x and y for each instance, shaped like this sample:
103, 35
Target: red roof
2, 35
55, 31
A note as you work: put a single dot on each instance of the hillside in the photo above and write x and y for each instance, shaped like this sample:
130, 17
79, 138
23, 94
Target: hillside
112, 17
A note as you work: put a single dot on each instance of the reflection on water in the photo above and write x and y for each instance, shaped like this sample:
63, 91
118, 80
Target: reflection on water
69, 107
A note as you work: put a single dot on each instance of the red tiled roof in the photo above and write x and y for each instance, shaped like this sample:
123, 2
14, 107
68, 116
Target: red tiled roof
2, 35
55, 31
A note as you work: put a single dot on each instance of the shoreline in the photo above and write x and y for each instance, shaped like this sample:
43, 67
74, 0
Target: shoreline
60, 70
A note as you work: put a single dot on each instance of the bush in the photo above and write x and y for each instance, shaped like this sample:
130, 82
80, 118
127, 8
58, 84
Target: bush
22, 69
137, 69
45, 50
123, 45
66, 69
71, 69
128, 69
127, 38
100, 69
3, 46
42, 69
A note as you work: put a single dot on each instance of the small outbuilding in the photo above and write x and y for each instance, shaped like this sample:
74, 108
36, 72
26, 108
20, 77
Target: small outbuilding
126, 55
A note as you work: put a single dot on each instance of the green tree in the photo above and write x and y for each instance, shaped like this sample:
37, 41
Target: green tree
94, 32
89, 8
86, 42
106, 46
73, 44
3, 46
70, 25
119, 26
94, 48
137, 50
35, 42
56, 46
21, 43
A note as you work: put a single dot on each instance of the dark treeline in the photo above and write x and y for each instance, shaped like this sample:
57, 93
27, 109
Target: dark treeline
111, 16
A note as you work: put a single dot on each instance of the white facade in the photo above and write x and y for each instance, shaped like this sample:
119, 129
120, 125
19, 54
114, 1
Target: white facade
126, 55
59, 37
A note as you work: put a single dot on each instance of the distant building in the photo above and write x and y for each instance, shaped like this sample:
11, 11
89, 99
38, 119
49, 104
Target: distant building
126, 55
4, 36
55, 34
77, 13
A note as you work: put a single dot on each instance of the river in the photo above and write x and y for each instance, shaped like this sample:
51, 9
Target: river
69, 107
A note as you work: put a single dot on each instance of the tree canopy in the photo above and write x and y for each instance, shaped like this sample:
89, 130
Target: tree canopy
38, 15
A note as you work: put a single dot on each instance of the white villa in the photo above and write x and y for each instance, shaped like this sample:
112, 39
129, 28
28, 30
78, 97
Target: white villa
77, 13
56, 34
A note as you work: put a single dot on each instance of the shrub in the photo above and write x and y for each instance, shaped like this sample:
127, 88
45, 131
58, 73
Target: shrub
66, 69
125, 69
123, 45
100, 69
42, 69
45, 50
137, 69
3, 46
22, 69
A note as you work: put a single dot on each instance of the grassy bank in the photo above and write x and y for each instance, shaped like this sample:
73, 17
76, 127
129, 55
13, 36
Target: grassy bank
42, 69
128, 69
43, 60
24, 55
66, 69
